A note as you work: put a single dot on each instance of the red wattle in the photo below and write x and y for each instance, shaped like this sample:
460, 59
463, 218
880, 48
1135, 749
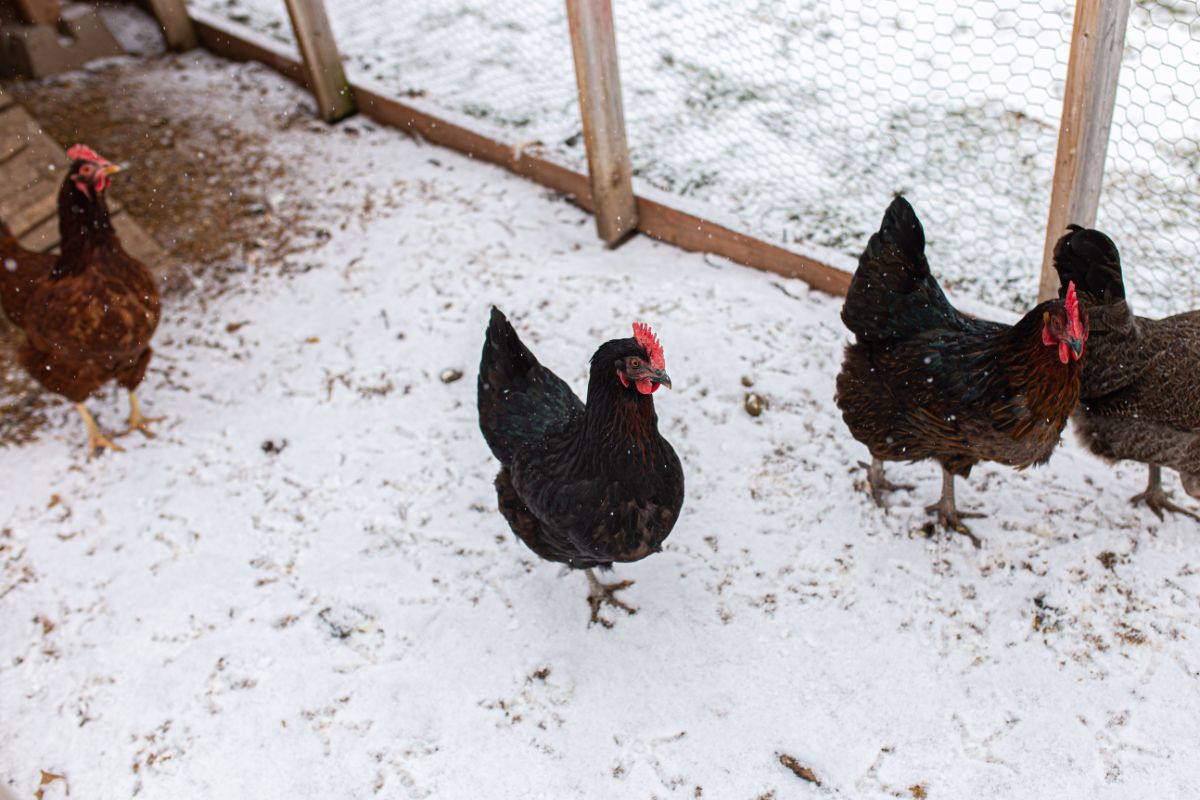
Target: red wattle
1064, 352
647, 387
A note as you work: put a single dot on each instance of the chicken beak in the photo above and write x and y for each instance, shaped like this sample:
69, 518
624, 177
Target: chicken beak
1076, 346
661, 377
110, 169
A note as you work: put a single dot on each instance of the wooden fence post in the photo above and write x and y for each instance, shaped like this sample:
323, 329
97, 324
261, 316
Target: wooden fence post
326, 76
38, 12
1097, 40
594, 43
176, 25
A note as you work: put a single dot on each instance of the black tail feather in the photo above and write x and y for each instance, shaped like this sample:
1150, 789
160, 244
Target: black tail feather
893, 295
902, 229
1089, 259
519, 400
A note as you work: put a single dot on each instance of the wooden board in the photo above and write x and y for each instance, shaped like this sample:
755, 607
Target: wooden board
1097, 40
594, 45
326, 76
176, 25
38, 12
656, 218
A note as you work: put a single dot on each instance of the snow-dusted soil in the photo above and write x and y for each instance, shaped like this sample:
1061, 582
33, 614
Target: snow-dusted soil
302, 587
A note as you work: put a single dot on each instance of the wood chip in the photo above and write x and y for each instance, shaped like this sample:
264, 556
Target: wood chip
799, 769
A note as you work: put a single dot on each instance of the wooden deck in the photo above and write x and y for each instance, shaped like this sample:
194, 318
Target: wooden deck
31, 165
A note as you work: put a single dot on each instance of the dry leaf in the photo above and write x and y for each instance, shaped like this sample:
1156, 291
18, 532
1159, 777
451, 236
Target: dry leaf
47, 778
799, 769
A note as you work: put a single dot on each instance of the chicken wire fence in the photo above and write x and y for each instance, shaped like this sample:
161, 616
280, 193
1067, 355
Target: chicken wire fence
796, 120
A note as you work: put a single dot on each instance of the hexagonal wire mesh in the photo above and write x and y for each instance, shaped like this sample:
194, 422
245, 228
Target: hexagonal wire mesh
795, 120
800, 118
506, 66
1150, 203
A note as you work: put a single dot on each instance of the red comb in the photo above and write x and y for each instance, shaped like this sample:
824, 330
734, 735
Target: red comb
1074, 323
82, 151
649, 342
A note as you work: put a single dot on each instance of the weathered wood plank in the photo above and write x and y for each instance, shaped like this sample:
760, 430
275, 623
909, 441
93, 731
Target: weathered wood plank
17, 129
38, 12
326, 76
176, 25
42, 237
31, 179
1097, 39
594, 44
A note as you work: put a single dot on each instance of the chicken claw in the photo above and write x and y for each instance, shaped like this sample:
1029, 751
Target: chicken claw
878, 482
97, 441
137, 422
1157, 499
605, 593
948, 515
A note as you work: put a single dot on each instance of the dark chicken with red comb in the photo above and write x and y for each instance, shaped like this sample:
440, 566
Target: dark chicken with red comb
89, 313
924, 381
1139, 399
583, 485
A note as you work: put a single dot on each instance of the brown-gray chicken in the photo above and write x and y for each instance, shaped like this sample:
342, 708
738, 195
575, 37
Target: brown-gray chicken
1140, 398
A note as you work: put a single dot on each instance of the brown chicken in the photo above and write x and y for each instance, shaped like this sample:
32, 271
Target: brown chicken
1140, 399
924, 381
89, 313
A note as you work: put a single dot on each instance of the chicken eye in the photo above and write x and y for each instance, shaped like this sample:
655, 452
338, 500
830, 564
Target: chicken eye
86, 169
634, 363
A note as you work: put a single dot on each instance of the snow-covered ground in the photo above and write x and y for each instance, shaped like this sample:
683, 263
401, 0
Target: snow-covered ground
796, 119
303, 588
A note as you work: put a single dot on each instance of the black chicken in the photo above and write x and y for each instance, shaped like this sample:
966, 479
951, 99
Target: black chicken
924, 381
1139, 399
584, 485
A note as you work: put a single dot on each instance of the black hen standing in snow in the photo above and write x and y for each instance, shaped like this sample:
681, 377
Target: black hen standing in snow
923, 380
584, 485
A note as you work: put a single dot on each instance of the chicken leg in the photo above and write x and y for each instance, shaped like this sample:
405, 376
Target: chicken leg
948, 515
97, 441
605, 593
1157, 498
137, 422
879, 483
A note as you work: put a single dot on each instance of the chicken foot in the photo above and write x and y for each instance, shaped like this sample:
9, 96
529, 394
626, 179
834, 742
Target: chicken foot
97, 441
948, 515
137, 422
605, 593
1157, 498
878, 482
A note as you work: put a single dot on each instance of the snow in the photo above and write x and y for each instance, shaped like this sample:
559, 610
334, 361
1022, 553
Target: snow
302, 588
800, 118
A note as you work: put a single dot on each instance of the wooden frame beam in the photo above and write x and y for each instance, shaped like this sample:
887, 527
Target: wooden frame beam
326, 75
1097, 41
176, 25
594, 44
38, 12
